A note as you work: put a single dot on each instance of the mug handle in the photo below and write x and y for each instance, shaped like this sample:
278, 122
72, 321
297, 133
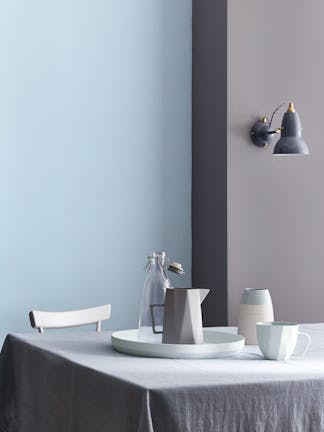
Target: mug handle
152, 306
307, 345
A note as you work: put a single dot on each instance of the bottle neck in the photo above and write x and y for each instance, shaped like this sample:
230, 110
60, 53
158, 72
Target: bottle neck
159, 257
156, 262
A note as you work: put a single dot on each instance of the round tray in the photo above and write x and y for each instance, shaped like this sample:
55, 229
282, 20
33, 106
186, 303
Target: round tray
216, 344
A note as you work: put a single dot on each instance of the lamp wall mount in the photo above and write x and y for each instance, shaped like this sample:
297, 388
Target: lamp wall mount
261, 134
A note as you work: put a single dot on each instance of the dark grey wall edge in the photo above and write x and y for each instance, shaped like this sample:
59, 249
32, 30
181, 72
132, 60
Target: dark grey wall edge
209, 156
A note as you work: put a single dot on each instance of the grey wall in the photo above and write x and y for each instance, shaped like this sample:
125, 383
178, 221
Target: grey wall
95, 152
276, 205
209, 199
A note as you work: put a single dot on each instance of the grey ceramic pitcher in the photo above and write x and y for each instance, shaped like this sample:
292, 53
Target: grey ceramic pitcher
182, 323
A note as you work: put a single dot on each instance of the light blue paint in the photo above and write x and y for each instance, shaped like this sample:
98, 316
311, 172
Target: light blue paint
95, 153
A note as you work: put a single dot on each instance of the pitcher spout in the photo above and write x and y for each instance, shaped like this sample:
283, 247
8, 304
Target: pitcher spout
203, 294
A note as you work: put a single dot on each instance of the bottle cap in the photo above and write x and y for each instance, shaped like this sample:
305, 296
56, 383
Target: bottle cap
176, 268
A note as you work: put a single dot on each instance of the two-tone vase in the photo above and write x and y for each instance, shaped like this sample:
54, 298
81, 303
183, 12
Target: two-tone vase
256, 306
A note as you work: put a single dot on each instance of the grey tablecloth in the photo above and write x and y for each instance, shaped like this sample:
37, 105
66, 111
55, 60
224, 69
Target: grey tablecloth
77, 383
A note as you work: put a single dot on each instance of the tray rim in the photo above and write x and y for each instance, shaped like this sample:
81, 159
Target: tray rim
183, 351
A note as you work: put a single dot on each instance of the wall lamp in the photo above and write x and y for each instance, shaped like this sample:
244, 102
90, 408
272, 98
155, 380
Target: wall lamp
291, 140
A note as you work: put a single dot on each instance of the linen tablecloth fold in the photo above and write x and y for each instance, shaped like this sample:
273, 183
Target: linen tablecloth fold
77, 383
277, 407
44, 392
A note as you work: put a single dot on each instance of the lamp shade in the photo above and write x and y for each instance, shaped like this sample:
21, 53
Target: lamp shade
291, 140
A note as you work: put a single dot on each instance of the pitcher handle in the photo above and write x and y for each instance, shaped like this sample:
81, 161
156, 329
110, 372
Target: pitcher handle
152, 306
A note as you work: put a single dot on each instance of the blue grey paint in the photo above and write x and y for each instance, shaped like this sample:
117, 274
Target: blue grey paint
94, 152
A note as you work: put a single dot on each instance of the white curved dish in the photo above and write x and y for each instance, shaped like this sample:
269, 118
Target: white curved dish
216, 344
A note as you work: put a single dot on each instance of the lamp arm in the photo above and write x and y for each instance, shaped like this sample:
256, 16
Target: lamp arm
277, 130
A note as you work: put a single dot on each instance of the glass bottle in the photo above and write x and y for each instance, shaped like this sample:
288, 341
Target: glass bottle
155, 286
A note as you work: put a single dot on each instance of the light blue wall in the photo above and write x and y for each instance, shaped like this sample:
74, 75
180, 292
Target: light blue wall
95, 152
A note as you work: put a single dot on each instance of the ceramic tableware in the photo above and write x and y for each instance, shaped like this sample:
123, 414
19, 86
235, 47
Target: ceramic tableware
182, 322
216, 345
277, 340
256, 306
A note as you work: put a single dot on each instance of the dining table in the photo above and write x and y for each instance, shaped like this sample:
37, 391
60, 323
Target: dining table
76, 382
